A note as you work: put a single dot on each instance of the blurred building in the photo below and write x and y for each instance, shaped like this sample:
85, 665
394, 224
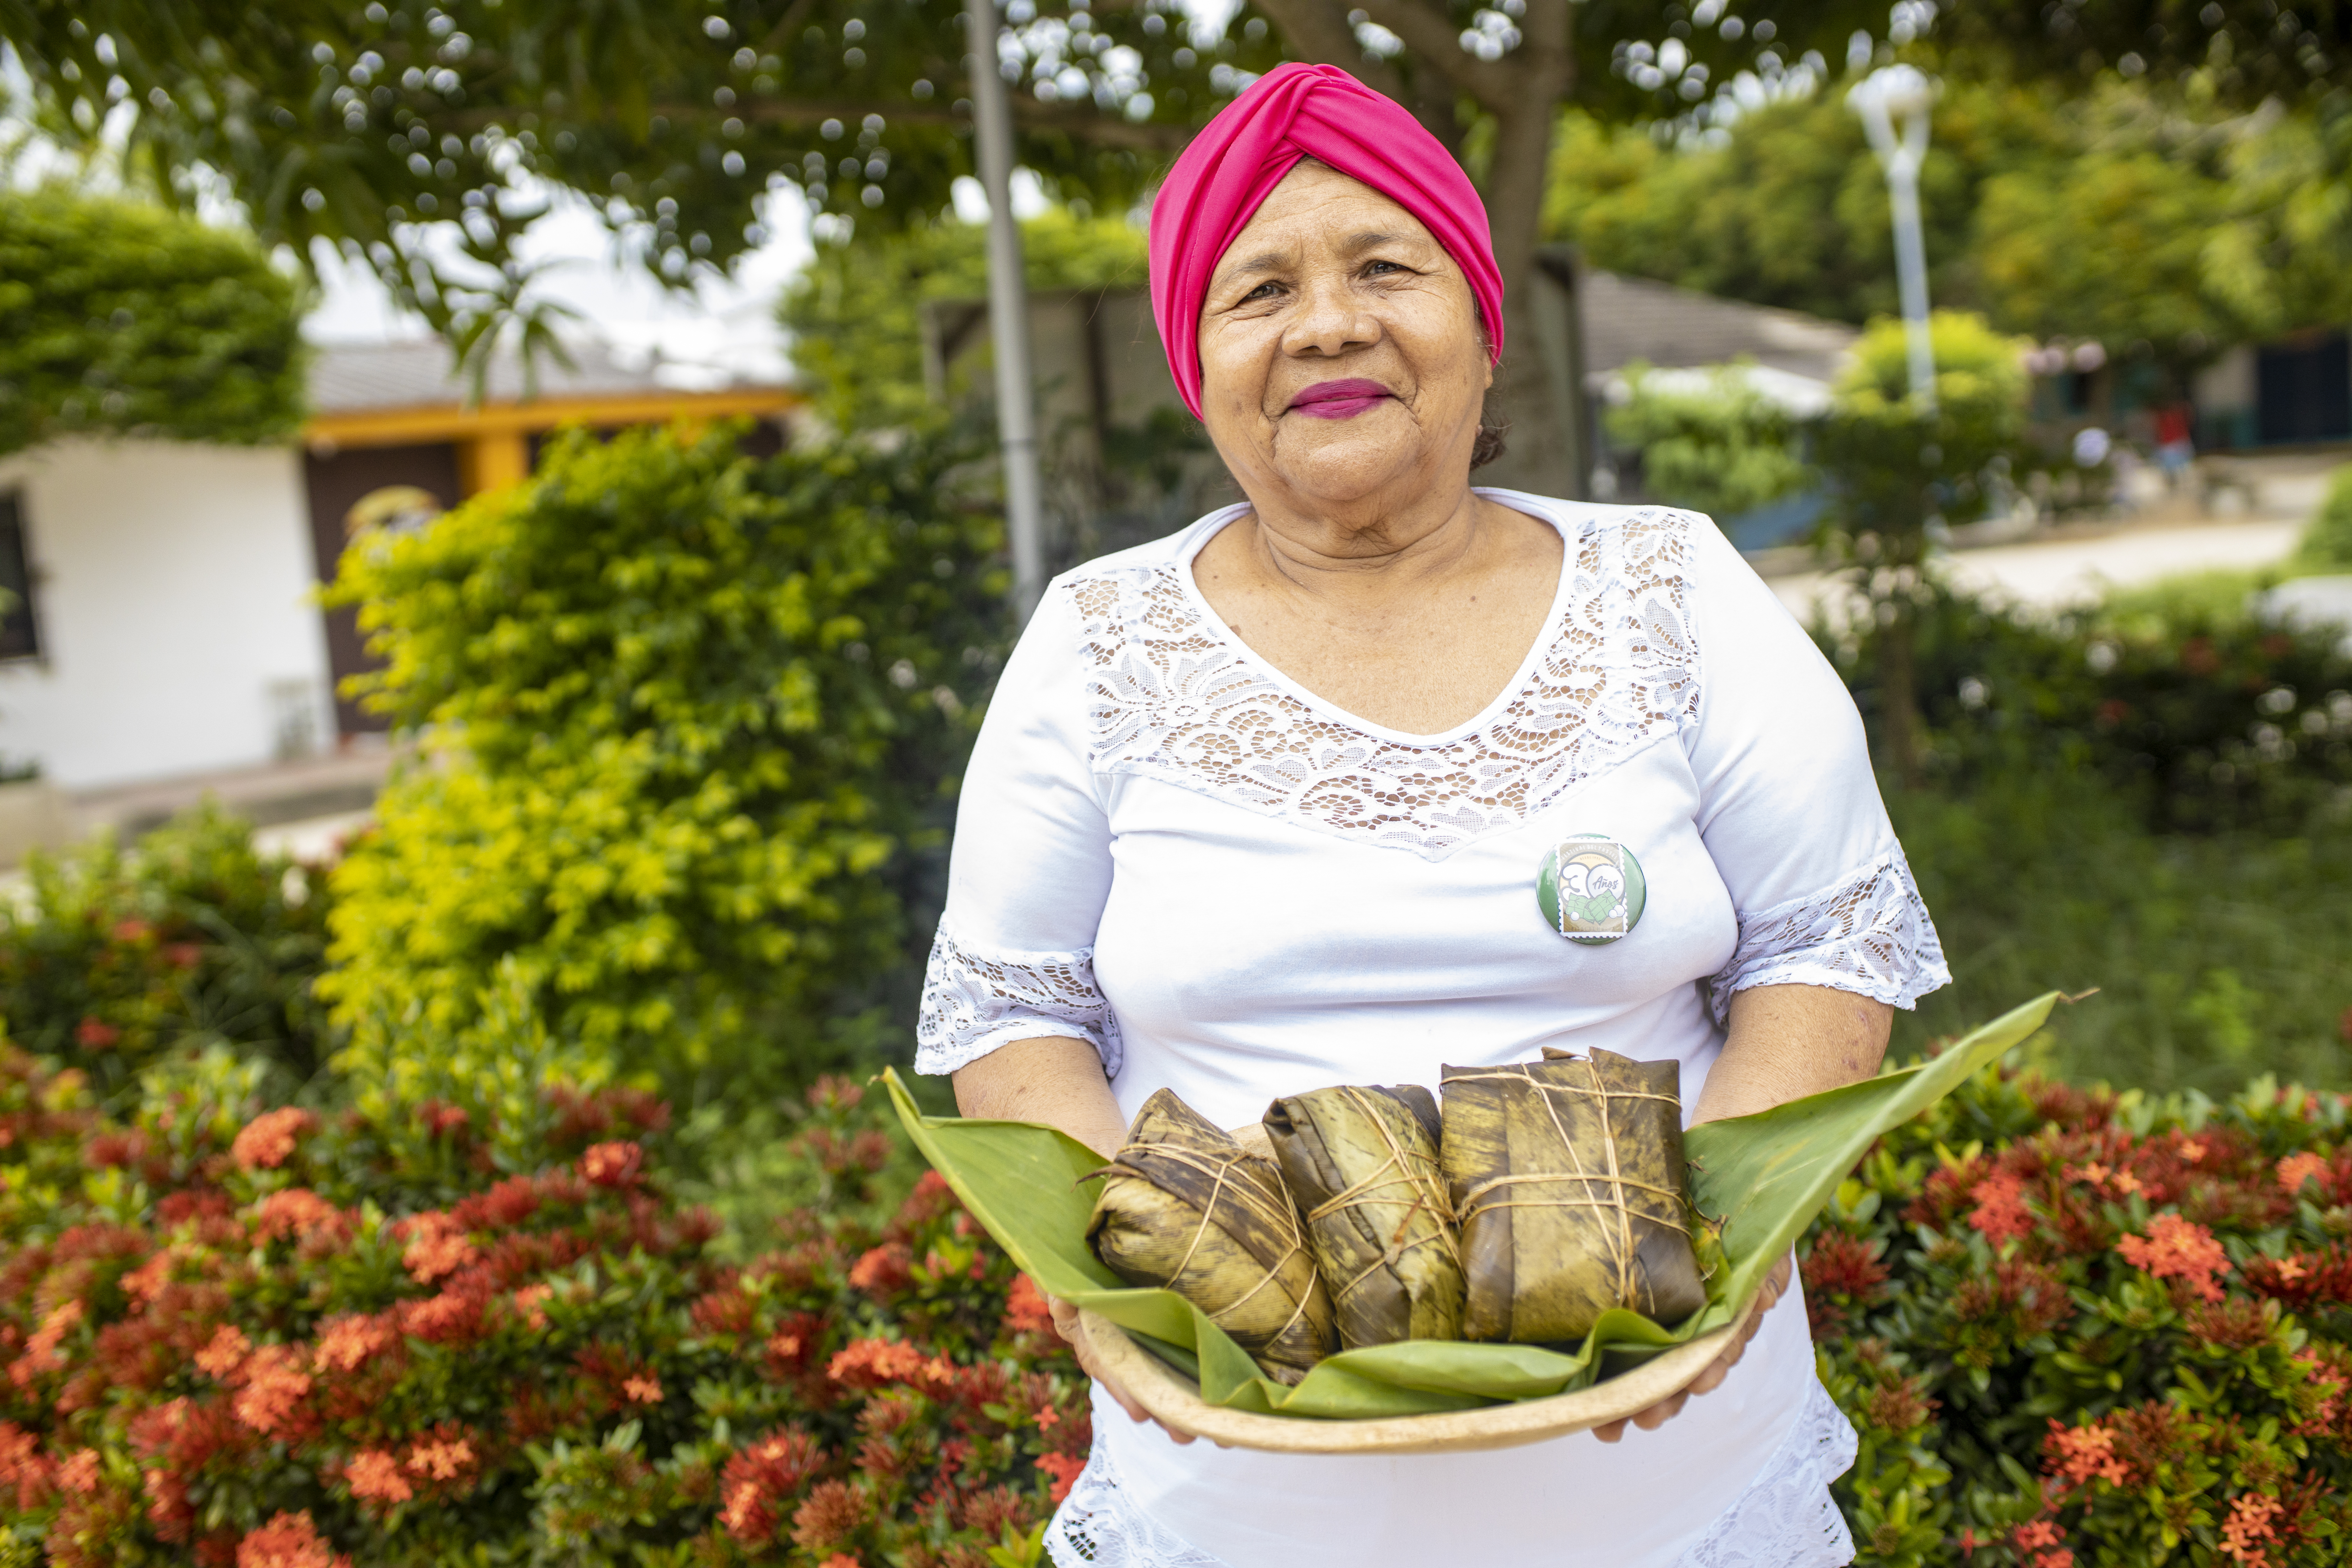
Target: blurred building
160, 634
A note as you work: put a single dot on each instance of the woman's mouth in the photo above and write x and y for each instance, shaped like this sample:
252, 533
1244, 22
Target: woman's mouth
1338, 399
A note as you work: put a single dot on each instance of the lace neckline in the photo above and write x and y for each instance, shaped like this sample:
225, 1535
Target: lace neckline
1217, 523
1170, 695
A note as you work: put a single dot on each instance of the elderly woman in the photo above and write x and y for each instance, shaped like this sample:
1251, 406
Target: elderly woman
1260, 807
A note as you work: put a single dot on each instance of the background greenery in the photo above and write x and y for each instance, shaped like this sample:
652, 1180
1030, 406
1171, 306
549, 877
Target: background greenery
118, 317
694, 722
2214, 227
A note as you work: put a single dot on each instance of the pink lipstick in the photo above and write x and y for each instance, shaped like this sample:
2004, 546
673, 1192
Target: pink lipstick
1338, 399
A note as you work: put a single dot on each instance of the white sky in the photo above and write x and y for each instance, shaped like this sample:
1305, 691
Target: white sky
727, 324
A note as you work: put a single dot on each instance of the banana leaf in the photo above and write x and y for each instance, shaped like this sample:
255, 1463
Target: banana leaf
1185, 1207
1033, 1188
1363, 1163
1568, 1180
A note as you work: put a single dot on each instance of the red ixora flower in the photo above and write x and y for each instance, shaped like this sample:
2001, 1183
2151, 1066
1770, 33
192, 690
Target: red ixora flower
1064, 1469
2178, 1248
614, 1164
1026, 1309
2296, 1169
268, 1139
274, 1387
95, 1034
438, 1245
288, 1540
2248, 1526
2080, 1454
374, 1476
2000, 1212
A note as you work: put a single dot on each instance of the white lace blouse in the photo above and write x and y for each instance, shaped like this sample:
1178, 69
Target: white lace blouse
1236, 890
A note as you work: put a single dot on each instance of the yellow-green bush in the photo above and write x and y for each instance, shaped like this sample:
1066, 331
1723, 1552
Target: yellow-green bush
690, 720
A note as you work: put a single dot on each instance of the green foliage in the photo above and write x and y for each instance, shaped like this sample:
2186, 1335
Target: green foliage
1790, 210
2200, 716
856, 311
696, 722
2199, 944
2073, 1328
118, 316
363, 128
483, 1332
1722, 448
111, 961
1892, 464
2215, 229
2326, 543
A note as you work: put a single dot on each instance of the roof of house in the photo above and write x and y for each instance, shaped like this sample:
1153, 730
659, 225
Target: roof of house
355, 378
1629, 319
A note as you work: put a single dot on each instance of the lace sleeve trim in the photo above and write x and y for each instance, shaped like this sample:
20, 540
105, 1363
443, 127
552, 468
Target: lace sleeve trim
974, 1001
1870, 934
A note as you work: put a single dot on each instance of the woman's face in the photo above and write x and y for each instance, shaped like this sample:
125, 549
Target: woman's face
1341, 359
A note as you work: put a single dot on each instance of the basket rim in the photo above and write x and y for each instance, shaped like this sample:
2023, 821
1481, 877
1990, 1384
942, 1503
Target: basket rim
1175, 1402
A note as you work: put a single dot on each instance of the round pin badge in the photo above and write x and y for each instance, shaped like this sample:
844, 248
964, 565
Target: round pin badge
1591, 889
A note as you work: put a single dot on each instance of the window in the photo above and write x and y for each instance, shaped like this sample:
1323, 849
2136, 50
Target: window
19, 637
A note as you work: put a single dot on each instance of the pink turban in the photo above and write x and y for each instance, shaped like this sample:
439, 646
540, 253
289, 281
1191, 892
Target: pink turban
1298, 112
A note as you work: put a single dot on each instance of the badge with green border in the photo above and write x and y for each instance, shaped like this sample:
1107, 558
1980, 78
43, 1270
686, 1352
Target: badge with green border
1591, 889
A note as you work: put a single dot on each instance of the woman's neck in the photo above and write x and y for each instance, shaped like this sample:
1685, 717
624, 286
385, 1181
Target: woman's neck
1355, 558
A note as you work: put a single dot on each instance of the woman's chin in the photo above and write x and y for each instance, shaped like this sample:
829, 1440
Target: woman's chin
1338, 461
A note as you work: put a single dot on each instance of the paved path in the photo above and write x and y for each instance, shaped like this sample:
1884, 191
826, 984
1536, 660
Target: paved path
2076, 571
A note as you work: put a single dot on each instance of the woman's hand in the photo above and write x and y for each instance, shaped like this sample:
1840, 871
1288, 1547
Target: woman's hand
1711, 1377
1066, 1323
1785, 1042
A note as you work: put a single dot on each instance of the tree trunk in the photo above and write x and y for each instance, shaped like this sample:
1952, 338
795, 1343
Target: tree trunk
1545, 454
1898, 691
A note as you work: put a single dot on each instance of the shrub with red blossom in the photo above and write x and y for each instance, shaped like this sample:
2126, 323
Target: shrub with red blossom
308, 1340
2080, 1331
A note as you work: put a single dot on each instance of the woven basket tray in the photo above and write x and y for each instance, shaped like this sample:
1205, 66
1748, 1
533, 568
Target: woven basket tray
1175, 1402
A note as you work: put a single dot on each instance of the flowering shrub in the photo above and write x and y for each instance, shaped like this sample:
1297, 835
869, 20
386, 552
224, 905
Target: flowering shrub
2077, 1331
292, 1340
113, 959
2213, 721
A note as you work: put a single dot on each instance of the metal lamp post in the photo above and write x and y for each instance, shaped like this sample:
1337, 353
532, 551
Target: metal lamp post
1008, 312
1884, 98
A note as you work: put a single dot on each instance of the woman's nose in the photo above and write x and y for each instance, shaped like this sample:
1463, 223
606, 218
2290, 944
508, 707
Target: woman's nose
1329, 320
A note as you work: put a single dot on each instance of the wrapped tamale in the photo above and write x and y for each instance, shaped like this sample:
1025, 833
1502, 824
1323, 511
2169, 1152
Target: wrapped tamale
1568, 1179
1361, 1164
1185, 1207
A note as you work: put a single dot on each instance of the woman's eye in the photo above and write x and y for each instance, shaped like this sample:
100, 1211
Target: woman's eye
1375, 268
1262, 291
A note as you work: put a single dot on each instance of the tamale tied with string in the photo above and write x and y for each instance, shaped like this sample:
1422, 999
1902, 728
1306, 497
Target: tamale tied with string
1186, 1209
1362, 1164
1568, 1179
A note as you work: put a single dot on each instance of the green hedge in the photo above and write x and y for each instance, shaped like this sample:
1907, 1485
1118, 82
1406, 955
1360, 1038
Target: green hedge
121, 317
693, 723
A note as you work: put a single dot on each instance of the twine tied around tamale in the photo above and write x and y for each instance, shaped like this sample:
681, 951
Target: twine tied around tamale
1221, 1170
1429, 1195
1612, 1178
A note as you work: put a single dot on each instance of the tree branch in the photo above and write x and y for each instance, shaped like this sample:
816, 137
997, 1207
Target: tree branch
1432, 36
1028, 114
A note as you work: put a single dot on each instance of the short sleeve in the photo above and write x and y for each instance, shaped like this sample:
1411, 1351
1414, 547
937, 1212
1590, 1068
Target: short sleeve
1790, 808
1029, 870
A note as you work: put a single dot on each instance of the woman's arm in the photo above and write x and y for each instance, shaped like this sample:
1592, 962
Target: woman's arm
1785, 1042
1789, 1041
1060, 1083
1056, 1080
